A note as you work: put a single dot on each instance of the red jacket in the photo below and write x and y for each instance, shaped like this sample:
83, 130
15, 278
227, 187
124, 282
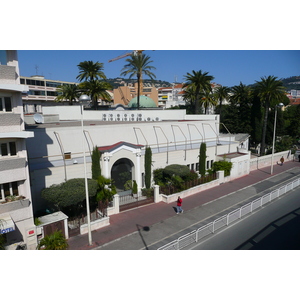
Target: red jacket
179, 201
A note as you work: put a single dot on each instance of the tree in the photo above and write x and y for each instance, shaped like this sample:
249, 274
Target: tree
90, 74
105, 193
69, 194
202, 159
221, 93
199, 83
271, 92
54, 241
208, 100
241, 97
90, 71
137, 65
68, 92
148, 164
97, 90
96, 168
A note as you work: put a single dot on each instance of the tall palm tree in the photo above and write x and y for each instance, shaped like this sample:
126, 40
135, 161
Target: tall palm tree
208, 100
68, 92
241, 98
221, 93
137, 65
54, 241
200, 83
89, 73
271, 92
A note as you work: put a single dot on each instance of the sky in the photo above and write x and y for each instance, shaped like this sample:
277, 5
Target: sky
228, 67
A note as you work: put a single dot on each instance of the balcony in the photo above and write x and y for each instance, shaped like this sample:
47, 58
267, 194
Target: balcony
6, 207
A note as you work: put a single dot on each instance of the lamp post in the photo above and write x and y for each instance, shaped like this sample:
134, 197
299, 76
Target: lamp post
84, 99
274, 136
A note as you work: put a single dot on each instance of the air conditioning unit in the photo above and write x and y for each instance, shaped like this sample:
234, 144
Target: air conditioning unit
148, 119
104, 117
111, 117
125, 117
156, 119
132, 117
119, 117
140, 117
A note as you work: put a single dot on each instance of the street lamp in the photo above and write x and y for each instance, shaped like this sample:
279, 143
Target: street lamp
82, 100
274, 135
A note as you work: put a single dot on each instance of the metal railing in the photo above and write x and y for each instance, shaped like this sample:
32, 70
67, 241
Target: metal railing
209, 229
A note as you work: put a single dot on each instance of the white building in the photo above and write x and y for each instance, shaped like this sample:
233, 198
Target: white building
16, 214
173, 136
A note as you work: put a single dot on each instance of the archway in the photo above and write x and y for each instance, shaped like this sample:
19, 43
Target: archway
121, 172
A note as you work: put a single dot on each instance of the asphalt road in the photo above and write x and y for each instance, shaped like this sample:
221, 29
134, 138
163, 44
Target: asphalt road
275, 226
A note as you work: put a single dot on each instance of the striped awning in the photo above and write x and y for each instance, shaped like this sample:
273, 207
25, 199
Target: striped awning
6, 224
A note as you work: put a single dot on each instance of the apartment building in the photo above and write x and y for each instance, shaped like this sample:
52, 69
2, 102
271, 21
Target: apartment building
17, 227
42, 92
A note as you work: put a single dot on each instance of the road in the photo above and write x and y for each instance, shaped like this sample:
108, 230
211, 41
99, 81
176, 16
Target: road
275, 226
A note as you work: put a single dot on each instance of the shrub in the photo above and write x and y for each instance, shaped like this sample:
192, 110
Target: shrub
176, 170
224, 165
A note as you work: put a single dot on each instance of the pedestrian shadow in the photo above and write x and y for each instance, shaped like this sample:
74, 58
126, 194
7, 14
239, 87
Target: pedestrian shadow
175, 208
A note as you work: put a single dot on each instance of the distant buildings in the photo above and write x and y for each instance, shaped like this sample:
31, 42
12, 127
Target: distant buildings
16, 214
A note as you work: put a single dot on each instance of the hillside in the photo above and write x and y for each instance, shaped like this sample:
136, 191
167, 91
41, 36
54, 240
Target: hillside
292, 83
116, 82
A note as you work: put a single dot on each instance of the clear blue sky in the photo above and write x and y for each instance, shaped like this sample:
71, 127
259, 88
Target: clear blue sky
229, 67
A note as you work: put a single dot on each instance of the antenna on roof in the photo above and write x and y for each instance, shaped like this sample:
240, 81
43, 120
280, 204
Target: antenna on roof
36, 69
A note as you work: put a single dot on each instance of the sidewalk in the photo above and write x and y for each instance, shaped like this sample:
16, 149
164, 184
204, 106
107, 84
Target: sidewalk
127, 229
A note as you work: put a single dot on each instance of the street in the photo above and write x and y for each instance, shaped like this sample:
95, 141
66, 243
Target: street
276, 226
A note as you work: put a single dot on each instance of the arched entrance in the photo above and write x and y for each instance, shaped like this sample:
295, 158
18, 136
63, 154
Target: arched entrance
121, 172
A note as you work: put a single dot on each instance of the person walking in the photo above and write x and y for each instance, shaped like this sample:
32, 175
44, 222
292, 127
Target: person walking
179, 203
281, 160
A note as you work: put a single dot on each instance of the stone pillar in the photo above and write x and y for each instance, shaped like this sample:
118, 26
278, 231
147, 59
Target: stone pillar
220, 176
138, 175
106, 159
156, 194
116, 203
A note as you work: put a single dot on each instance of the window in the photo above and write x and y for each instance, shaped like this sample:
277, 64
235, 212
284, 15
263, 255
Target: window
7, 189
67, 155
5, 104
8, 149
36, 93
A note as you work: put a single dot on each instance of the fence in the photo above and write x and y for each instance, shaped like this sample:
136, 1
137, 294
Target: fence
206, 230
171, 189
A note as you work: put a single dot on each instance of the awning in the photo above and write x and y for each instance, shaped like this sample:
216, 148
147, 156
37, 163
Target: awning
6, 224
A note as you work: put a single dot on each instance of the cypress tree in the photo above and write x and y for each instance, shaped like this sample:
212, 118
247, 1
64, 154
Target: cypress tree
148, 162
202, 159
96, 169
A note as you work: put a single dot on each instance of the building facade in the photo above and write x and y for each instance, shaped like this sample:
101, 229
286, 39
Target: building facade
173, 136
16, 214
42, 92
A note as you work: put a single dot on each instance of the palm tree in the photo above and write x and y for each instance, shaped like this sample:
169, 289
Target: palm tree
91, 73
54, 241
68, 92
200, 82
221, 93
137, 65
96, 89
241, 98
208, 100
271, 92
